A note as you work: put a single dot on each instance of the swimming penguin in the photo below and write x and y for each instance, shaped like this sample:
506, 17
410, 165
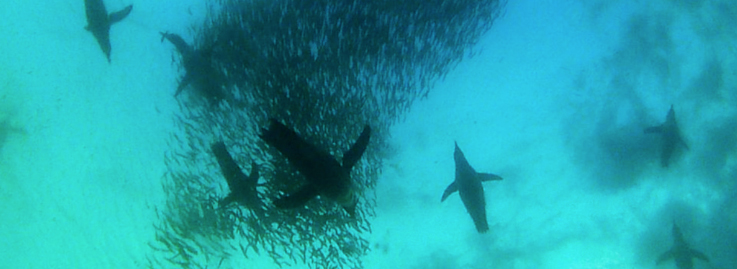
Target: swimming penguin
198, 68
242, 188
325, 176
468, 184
681, 253
99, 22
671, 136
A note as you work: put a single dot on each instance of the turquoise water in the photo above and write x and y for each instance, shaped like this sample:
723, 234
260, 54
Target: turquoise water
554, 101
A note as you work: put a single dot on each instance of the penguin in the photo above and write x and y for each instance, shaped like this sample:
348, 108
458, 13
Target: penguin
681, 252
99, 22
671, 136
468, 184
325, 176
242, 188
198, 68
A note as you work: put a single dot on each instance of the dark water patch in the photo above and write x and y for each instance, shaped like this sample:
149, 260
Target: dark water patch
609, 142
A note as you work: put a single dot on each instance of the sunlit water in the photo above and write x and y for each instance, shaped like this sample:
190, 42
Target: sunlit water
555, 102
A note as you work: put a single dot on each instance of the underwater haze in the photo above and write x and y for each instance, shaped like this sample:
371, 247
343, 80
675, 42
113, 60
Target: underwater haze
102, 166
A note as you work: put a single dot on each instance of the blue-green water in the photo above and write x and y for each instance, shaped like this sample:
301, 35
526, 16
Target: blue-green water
555, 101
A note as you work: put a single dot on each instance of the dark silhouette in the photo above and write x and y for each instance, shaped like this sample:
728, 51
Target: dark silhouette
681, 252
468, 184
199, 70
242, 188
325, 176
99, 22
671, 136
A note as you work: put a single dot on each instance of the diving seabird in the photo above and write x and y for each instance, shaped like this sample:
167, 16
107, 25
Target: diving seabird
99, 22
325, 176
681, 253
468, 185
198, 69
242, 188
671, 136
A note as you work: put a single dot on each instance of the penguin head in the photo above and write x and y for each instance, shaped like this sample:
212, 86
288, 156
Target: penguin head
458, 154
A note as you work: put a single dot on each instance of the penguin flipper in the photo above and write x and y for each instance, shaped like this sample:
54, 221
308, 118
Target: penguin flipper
120, 15
488, 177
182, 84
297, 199
354, 153
449, 190
230, 169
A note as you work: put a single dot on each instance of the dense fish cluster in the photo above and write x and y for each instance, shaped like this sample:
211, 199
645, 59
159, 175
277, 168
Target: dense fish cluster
326, 77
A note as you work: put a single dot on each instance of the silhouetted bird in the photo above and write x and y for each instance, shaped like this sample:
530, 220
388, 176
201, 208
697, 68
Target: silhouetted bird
242, 188
681, 252
671, 136
198, 68
99, 22
468, 184
325, 176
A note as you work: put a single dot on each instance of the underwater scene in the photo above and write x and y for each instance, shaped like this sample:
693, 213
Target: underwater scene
368, 134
